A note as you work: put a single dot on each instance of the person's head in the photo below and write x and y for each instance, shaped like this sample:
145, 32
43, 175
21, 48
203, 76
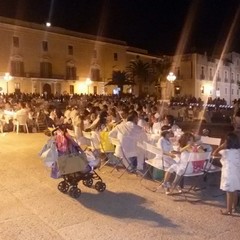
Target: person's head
167, 134
186, 139
169, 120
133, 117
232, 141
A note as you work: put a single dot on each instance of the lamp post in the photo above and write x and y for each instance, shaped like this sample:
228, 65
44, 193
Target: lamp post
88, 83
171, 78
7, 77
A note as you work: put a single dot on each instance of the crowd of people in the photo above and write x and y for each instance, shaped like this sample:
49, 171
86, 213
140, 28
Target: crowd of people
131, 120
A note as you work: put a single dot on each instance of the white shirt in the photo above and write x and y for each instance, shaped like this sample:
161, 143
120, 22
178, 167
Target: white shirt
128, 133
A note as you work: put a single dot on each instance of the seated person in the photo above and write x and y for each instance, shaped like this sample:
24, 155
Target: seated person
165, 144
187, 146
129, 133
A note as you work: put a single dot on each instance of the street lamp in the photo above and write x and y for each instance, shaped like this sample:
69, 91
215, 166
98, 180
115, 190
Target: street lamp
88, 83
7, 77
171, 78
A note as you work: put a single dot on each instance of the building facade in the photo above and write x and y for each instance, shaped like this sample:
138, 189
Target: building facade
38, 59
204, 77
35, 58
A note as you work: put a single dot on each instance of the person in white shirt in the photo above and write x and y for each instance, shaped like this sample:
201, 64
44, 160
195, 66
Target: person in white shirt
129, 133
165, 144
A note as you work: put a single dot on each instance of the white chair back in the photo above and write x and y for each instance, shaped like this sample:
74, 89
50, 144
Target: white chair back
211, 140
152, 149
22, 119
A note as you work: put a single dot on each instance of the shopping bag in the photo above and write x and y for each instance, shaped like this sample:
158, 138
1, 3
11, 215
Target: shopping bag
49, 153
70, 163
55, 171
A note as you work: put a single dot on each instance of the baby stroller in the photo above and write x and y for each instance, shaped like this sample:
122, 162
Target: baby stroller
75, 165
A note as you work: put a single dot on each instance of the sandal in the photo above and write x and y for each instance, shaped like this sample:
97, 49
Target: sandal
225, 213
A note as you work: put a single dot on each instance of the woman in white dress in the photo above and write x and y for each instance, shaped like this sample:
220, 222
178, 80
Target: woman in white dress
230, 178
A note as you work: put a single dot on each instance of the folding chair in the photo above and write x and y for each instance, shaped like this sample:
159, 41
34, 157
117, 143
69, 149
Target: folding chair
121, 156
106, 147
92, 137
194, 159
209, 167
156, 159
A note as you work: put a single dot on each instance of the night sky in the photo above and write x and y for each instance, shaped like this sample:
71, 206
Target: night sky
155, 25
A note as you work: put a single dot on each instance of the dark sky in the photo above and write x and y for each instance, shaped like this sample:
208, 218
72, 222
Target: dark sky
155, 25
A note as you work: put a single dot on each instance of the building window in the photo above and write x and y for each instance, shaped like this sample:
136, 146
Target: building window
178, 72
232, 91
225, 90
210, 74
45, 46
70, 50
71, 72
16, 42
115, 56
95, 74
94, 53
95, 90
17, 68
17, 85
46, 69
225, 75
202, 75
71, 89
237, 92
232, 77
202, 89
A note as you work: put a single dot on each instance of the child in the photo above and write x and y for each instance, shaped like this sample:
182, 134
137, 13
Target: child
186, 143
230, 178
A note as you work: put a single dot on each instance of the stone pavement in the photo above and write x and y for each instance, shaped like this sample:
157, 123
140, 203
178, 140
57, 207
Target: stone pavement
31, 207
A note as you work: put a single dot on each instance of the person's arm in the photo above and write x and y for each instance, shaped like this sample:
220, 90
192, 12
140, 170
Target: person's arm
216, 151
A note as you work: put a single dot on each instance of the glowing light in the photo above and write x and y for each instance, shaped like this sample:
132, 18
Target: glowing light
171, 77
7, 77
48, 24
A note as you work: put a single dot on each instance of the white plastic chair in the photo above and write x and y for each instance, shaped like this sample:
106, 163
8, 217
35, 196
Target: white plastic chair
192, 159
121, 156
156, 160
20, 120
210, 168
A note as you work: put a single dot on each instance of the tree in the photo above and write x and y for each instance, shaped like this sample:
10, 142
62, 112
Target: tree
120, 79
161, 69
139, 71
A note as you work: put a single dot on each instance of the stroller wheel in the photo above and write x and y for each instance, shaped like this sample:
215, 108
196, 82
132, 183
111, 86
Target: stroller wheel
100, 186
63, 187
75, 192
88, 182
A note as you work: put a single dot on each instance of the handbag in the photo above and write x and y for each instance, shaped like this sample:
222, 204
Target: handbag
49, 153
71, 163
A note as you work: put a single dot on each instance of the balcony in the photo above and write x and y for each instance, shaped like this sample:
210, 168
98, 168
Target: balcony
225, 80
38, 75
202, 76
218, 79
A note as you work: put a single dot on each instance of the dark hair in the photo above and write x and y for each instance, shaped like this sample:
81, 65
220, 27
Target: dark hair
164, 133
183, 140
132, 115
232, 141
165, 127
170, 119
